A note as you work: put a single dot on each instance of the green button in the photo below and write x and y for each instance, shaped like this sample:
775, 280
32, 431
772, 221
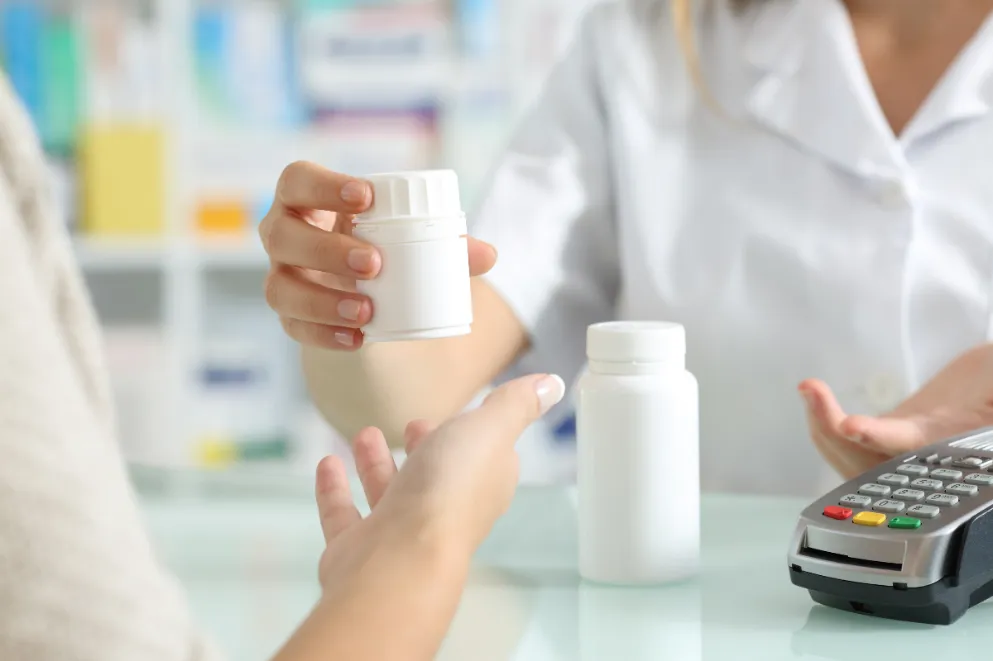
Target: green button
905, 523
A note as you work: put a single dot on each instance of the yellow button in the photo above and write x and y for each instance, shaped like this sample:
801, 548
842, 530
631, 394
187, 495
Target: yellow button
869, 519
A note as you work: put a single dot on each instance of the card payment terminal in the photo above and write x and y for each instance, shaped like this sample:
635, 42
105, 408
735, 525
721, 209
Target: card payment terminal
912, 539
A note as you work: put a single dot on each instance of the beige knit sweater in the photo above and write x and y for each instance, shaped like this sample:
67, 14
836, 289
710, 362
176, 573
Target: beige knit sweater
78, 579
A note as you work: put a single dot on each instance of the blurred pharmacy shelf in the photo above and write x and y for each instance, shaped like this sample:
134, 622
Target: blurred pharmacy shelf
124, 255
98, 255
168, 123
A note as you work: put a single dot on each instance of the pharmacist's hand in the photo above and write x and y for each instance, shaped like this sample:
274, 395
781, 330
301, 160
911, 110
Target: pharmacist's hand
316, 261
456, 482
958, 400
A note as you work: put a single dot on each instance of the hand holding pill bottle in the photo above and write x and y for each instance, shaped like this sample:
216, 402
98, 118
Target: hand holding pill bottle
345, 269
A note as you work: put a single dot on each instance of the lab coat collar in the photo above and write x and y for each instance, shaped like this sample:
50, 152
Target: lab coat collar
774, 46
800, 90
810, 86
965, 92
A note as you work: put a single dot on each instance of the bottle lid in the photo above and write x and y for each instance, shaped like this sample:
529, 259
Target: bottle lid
636, 342
418, 194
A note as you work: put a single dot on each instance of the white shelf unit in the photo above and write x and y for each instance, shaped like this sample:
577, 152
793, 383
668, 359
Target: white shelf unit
173, 283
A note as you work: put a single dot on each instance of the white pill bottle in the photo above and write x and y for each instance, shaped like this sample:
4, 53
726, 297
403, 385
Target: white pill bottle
638, 456
423, 290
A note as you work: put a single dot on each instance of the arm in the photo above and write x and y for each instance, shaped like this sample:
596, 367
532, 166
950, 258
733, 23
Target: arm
78, 576
412, 585
406, 564
956, 400
549, 209
389, 384
312, 285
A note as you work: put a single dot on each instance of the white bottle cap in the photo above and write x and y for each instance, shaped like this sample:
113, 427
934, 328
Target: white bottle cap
410, 195
636, 342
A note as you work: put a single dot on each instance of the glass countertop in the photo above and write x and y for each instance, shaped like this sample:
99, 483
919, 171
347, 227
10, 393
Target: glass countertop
249, 566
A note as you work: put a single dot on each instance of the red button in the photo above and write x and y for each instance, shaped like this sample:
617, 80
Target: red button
835, 512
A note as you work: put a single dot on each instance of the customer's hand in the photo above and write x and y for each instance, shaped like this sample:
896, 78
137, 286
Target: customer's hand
316, 261
457, 480
405, 565
957, 400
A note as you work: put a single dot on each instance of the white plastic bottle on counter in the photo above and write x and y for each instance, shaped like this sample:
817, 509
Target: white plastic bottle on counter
423, 290
638, 456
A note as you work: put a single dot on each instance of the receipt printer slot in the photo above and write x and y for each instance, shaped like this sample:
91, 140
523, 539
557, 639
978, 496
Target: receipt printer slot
847, 560
853, 549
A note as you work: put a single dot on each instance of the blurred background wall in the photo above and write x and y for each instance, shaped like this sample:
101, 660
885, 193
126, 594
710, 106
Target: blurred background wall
167, 123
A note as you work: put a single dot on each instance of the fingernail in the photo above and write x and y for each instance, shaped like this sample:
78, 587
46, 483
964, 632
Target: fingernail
550, 390
350, 309
354, 192
344, 339
807, 397
855, 438
362, 260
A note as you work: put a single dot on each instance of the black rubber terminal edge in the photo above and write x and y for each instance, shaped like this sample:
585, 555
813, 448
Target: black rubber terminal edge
975, 557
942, 603
935, 604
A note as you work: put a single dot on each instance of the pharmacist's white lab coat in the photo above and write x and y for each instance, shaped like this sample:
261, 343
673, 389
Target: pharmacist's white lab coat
790, 231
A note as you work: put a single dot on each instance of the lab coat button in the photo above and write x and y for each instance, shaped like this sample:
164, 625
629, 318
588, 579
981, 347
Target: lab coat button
892, 194
885, 392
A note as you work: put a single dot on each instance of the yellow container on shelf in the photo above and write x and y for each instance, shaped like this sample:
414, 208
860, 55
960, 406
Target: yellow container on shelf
122, 176
221, 216
215, 452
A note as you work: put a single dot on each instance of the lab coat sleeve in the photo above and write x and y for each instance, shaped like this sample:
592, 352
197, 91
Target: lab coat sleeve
549, 213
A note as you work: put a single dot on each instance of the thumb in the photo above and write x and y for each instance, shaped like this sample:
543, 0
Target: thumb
512, 407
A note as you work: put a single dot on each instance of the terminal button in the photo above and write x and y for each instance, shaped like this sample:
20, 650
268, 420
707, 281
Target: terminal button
869, 519
946, 474
874, 490
909, 494
905, 523
962, 489
893, 479
852, 500
891, 506
972, 462
979, 478
942, 499
927, 485
839, 513
924, 511
912, 469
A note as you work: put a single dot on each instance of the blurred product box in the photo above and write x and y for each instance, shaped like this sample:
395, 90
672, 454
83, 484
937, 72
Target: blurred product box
243, 387
124, 76
480, 28
122, 170
382, 32
236, 425
21, 27
219, 216
393, 53
245, 64
40, 53
90, 76
378, 139
60, 58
